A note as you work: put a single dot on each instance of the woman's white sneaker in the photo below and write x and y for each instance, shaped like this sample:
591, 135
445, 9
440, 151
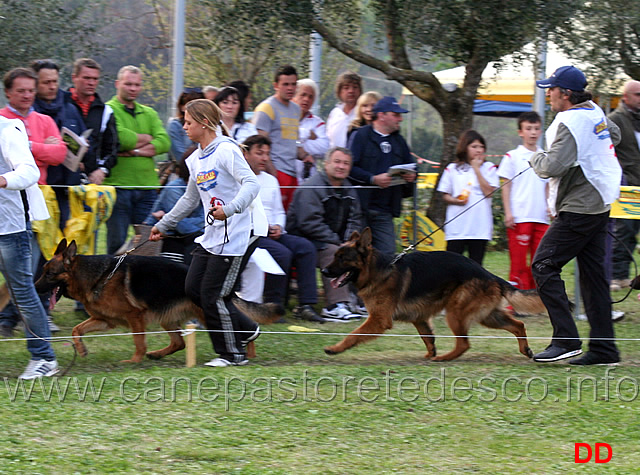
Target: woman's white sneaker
222, 363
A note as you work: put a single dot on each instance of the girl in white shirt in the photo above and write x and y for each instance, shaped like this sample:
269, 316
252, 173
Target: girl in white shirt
467, 180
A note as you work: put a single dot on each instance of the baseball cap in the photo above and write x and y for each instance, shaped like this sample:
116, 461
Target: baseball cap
388, 104
566, 77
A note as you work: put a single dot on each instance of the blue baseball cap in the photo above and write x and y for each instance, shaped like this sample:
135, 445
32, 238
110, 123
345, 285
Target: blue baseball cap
566, 77
388, 104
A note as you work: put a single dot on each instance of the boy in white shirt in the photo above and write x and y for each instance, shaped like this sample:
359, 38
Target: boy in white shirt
526, 215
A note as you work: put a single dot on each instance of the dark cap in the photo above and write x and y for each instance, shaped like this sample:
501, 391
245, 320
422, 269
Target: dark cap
388, 104
566, 77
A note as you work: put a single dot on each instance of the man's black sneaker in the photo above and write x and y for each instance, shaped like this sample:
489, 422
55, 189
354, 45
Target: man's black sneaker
555, 353
306, 312
591, 358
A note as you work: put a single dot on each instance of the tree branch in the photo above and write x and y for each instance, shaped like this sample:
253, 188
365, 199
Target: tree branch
395, 37
423, 84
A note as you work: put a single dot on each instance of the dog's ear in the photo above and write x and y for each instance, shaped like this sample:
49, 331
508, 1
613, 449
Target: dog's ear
62, 245
354, 236
69, 253
365, 237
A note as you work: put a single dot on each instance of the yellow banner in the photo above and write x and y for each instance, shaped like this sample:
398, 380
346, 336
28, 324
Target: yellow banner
627, 206
427, 180
89, 206
435, 242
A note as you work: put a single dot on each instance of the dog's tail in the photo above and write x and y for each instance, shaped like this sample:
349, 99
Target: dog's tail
4, 295
527, 302
263, 313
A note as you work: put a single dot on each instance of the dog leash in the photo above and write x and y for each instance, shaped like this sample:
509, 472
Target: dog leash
635, 265
122, 257
98, 290
413, 246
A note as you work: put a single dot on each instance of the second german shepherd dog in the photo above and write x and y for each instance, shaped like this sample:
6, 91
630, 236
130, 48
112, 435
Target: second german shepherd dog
141, 290
419, 286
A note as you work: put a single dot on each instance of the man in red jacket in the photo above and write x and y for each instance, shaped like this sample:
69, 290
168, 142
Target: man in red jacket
45, 140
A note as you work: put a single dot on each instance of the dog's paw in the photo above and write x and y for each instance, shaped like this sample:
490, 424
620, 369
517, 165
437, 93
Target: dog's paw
331, 350
154, 355
132, 360
82, 350
529, 353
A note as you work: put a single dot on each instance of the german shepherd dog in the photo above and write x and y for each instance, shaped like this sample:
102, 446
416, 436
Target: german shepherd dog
420, 285
142, 289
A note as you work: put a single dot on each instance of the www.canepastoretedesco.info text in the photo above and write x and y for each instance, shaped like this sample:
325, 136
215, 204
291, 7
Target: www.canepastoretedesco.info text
324, 389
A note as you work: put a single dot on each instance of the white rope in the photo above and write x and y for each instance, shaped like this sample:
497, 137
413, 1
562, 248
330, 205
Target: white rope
314, 333
158, 187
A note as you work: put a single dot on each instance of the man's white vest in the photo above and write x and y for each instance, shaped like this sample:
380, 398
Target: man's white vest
596, 154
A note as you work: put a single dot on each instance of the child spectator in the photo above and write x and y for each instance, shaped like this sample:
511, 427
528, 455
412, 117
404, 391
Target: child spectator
526, 215
465, 182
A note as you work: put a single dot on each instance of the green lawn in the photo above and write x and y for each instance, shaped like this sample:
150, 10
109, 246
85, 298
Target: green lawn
378, 408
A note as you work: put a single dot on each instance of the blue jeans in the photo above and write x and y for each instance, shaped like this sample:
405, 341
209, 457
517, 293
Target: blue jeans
132, 207
15, 265
382, 231
9, 316
287, 250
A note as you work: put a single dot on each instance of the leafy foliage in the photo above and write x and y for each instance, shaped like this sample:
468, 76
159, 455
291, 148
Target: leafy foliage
605, 34
57, 29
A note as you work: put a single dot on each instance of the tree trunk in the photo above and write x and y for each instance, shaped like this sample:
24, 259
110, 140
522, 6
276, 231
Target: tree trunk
457, 117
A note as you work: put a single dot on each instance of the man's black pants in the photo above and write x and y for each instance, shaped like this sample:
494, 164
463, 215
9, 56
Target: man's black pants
581, 236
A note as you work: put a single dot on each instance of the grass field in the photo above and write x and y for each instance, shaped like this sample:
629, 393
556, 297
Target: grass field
378, 408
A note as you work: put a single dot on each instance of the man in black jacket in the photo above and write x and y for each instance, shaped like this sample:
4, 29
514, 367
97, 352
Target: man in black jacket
627, 117
103, 151
375, 148
325, 210
56, 103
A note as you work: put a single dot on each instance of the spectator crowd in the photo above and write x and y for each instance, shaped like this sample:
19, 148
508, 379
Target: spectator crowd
280, 179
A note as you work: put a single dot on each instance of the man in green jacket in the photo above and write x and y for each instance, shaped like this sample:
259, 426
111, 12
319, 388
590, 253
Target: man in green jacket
142, 136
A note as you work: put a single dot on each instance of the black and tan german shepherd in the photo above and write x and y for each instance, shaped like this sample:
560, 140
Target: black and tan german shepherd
419, 286
143, 289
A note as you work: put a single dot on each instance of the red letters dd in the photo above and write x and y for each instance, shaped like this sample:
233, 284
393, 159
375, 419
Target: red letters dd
598, 447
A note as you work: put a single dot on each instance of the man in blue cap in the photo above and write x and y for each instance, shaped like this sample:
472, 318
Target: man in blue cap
376, 148
585, 180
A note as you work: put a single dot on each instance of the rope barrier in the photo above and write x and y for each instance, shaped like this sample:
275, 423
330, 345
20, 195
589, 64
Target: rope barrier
314, 333
190, 339
152, 187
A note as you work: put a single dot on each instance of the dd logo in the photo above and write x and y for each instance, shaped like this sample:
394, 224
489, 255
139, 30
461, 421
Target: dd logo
589, 452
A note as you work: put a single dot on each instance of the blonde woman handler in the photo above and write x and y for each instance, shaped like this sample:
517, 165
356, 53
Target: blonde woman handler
222, 181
